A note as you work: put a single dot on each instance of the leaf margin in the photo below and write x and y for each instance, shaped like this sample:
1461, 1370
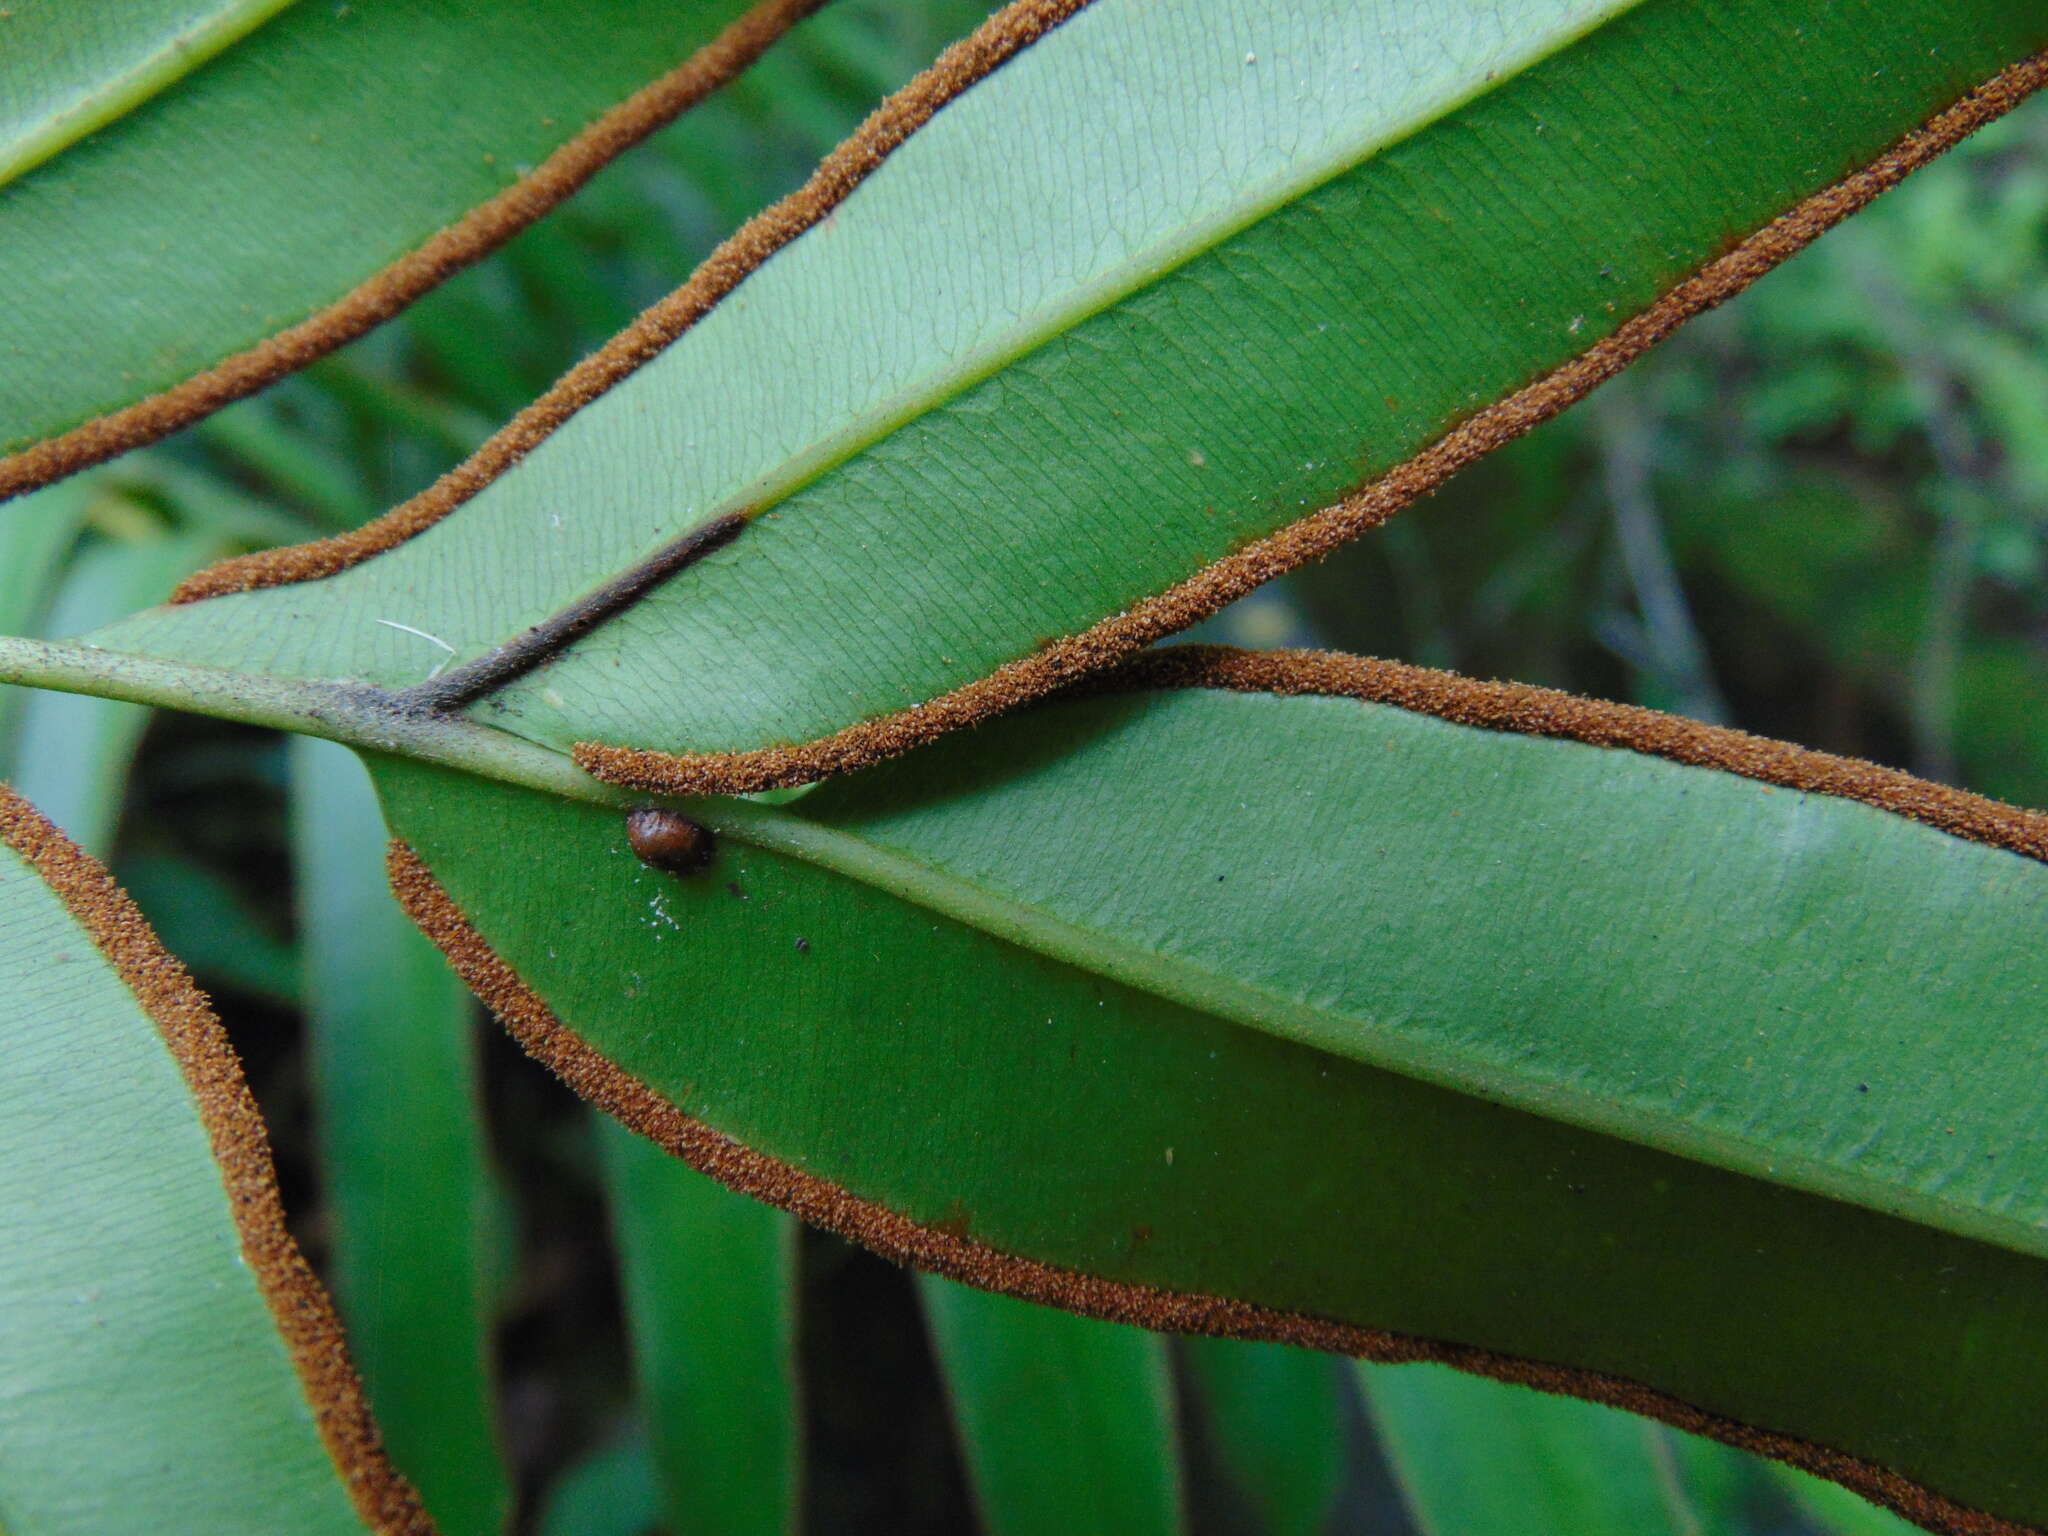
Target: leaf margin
388, 291
299, 1305
954, 1255
984, 50
1059, 662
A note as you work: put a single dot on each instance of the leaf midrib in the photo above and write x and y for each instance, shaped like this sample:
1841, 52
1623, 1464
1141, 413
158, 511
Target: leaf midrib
1013, 920
370, 720
177, 54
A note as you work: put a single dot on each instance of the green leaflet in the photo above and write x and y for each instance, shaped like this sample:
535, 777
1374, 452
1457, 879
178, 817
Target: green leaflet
1002, 394
222, 206
207, 924
1473, 1456
710, 1288
148, 1389
36, 534
1274, 1416
1001, 989
611, 1492
1837, 1511
1065, 1423
392, 1042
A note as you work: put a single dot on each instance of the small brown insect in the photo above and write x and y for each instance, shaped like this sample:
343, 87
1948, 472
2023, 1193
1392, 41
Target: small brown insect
669, 841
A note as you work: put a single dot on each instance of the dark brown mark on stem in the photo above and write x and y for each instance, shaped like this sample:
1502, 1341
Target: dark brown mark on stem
518, 656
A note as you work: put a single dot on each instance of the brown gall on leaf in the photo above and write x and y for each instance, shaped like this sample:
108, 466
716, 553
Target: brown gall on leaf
669, 841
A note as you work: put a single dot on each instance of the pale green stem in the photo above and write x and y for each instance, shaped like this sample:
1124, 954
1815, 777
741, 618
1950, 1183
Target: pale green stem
375, 720
357, 715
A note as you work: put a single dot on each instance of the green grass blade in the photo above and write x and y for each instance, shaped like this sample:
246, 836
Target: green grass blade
1475, 1456
1066, 1424
710, 1290
400, 1130
1094, 984
611, 1492
149, 1386
1837, 1511
203, 920
1276, 1416
1298, 245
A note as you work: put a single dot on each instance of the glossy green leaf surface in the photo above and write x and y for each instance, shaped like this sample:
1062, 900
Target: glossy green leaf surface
147, 1389
221, 204
401, 1133
709, 1282
1066, 1424
1279, 1000
1474, 1455
1275, 1416
1289, 246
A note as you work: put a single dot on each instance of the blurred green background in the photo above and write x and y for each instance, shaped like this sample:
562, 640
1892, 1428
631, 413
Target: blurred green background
1817, 514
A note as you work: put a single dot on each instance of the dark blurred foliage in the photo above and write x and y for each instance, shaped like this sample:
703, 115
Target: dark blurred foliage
1820, 513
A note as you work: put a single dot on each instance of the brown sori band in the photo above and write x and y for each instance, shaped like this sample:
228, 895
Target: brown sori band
991, 45
1188, 602
304, 1316
1317, 535
896, 1237
1531, 711
469, 239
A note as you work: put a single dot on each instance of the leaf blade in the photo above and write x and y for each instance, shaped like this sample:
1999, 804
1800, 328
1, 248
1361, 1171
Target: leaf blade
173, 1358
95, 67
72, 754
515, 108
1127, 1195
1211, 407
1066, 1424
1476, 1455
392, 1073
709, 1281
1276, 1417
